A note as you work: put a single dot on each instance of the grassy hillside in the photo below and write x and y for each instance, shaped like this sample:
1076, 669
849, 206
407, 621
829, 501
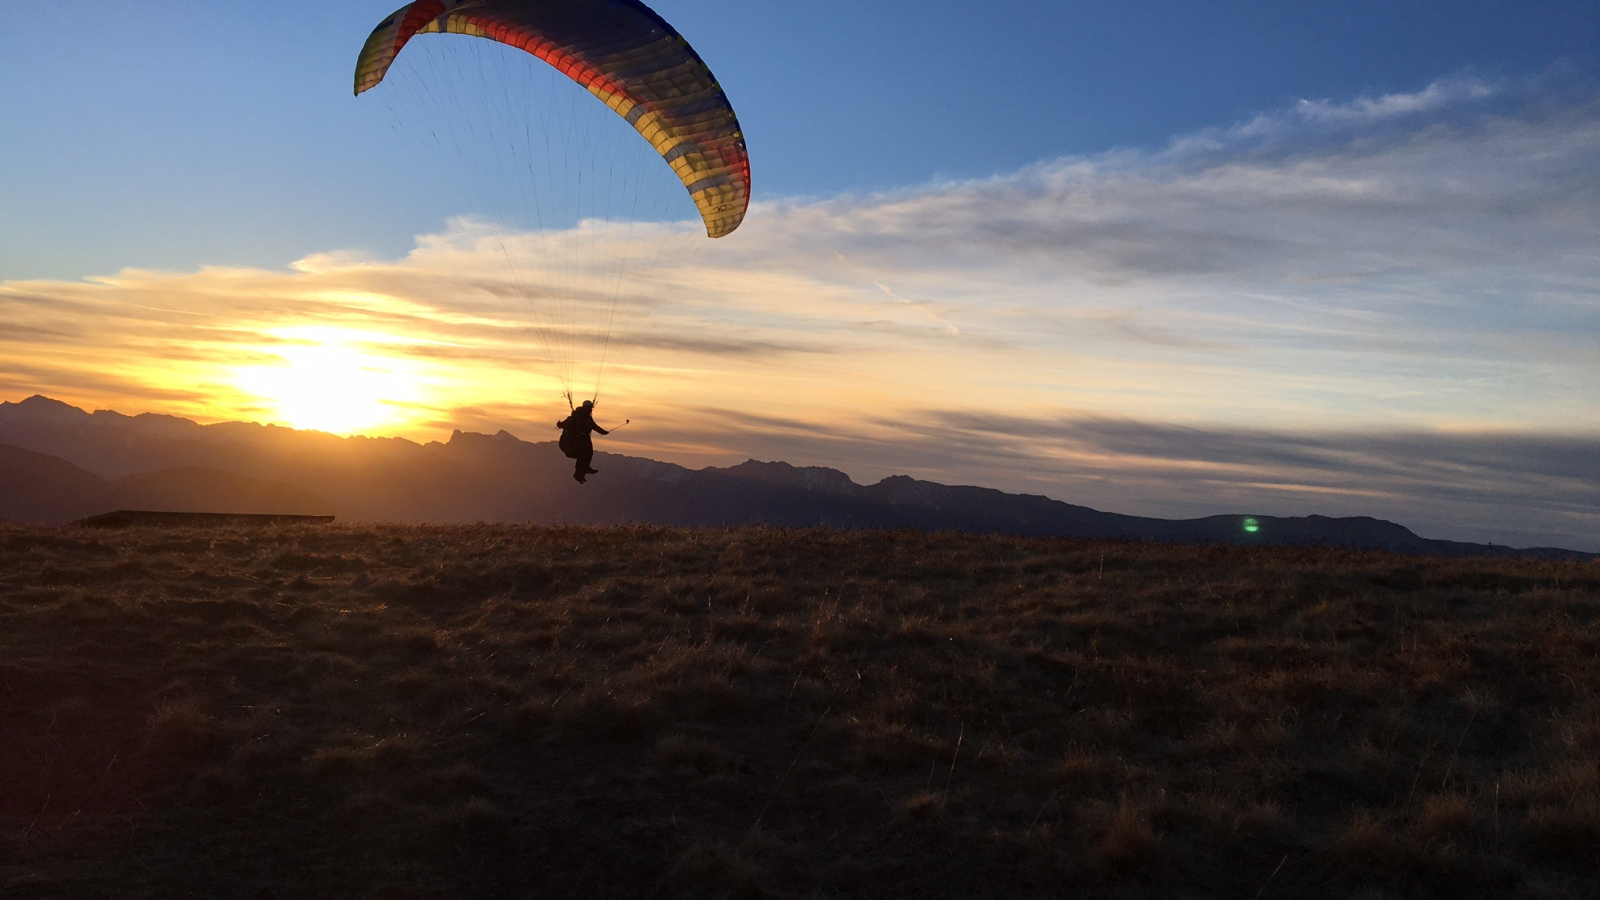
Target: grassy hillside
628, 712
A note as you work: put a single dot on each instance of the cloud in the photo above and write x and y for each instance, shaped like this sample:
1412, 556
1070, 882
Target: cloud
1474, 196
1383, 305
1441, 94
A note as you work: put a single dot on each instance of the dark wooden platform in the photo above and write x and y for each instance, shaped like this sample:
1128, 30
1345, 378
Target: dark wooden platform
123, 518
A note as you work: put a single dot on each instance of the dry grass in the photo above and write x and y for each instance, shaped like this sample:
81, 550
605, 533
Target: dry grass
636, 712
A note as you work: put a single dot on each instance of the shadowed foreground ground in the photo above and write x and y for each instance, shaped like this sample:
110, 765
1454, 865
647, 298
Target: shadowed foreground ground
526, 712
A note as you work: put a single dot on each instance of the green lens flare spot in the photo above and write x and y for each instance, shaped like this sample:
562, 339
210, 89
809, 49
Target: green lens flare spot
1252, 526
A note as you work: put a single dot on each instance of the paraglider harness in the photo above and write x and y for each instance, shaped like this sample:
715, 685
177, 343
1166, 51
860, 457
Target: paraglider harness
570, 435
573, 435
569, 444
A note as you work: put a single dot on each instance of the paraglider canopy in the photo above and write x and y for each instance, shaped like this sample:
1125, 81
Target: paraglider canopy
626, 56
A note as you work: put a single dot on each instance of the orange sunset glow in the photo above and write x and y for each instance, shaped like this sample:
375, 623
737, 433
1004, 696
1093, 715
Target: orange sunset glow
327, 381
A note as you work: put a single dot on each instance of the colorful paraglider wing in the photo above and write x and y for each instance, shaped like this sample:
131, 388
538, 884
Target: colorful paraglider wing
624, 54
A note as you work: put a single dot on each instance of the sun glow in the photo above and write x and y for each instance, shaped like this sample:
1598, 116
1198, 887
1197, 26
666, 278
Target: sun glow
330, 379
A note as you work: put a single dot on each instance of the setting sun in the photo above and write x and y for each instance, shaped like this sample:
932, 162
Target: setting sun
328, 380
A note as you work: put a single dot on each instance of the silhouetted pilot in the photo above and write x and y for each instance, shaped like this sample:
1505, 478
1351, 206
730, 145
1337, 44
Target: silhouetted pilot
575, 440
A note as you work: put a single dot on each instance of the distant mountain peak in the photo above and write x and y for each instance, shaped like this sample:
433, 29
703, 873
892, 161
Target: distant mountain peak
42, 408
811, 479
47, 410
458, 436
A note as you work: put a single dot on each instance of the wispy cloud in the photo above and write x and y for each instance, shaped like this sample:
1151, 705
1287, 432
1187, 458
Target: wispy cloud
1437, 96
1373, 305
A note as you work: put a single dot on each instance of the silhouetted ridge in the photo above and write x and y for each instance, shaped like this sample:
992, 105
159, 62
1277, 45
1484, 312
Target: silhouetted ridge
499, 478
41, 407
811, 479
124, 518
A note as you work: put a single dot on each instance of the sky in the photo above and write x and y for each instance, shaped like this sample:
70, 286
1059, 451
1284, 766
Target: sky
1157, 258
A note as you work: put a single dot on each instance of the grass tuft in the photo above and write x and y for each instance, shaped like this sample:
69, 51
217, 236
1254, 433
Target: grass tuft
180, 732
1129, 839
1447, 816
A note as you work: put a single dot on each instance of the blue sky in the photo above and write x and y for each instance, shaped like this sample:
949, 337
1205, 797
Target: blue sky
1159, 258
184, 133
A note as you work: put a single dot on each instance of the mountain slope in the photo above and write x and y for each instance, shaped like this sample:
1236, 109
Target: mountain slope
199, 489
39, 489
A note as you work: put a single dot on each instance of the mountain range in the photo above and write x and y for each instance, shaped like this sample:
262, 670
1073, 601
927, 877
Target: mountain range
59, 463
